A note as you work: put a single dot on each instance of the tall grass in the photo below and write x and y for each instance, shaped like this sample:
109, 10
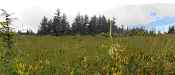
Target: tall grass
94, 55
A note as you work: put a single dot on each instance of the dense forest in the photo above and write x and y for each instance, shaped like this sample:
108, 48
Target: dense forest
85, 25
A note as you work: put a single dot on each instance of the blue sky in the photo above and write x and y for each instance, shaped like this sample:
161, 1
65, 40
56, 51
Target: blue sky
157, 22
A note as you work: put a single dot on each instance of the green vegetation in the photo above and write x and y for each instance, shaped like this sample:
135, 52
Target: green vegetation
85, 49
92, 55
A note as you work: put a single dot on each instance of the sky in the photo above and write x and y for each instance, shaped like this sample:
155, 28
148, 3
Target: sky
30, 12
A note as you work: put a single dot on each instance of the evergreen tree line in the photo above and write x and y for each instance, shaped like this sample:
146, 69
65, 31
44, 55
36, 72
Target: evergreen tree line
171, 29
82, 24
56, 26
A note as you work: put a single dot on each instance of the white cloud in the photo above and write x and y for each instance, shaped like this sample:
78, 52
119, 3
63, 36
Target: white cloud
25, 10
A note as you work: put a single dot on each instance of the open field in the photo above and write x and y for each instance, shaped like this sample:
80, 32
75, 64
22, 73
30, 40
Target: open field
94, 55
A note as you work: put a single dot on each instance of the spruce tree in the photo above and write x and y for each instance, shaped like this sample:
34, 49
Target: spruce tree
171, 29
64, 25
80, 24
57, 23
44, 26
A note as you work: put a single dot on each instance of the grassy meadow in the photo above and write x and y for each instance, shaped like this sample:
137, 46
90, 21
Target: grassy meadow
93, 55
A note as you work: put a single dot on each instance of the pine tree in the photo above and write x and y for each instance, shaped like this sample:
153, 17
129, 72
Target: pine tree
93, 25
99, 24
77, 25
44, 29
50, 27
85, 24
64, 25
105, 26
171, 29
60, 24
80, 24
56, 23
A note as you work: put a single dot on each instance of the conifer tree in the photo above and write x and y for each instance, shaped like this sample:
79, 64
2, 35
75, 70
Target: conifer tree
44, 28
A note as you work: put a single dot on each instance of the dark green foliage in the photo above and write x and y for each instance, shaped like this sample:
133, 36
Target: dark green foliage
64, 25
6, 54
44, 29
84, 25
136, 31
80, 24
58, 26
98, 25
101, 25
28, 32
140, 32
171, 29
6, 30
